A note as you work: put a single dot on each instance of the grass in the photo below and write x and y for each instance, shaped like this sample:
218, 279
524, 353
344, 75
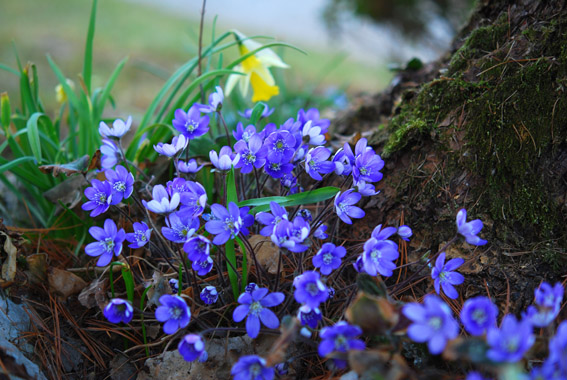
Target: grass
155, 42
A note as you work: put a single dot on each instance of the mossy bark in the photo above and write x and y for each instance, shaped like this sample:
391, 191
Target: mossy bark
484, 128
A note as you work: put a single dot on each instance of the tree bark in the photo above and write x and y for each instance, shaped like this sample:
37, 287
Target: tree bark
484, 128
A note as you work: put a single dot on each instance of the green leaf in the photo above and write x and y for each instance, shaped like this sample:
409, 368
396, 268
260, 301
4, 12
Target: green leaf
10, 164
100, 103
257, 112
9, 69
5, 111
314, 196
244, 265
129, 282
33, 135
231, 196
88, 62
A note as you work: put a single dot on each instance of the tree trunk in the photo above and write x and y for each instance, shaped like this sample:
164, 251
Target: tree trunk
485, 129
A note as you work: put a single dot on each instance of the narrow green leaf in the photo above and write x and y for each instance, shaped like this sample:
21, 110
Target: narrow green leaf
231, 195
9, 69
314, 196
257, 112
5, 112
262, 201
244, 265
100, 103
28, 104
10, 164
142, 302
73, 100
33, 135
88, 63
129, 282
231, 258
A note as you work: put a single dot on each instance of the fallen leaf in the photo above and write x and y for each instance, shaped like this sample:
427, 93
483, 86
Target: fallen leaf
80, 165
64, 284
267, 253
68, 192
9, 266
94, 294
159, 287
37, 268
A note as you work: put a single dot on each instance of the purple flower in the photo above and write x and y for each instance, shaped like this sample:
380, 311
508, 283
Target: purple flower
251, 287
379, 256
320, 232
316, 162
209, 295
189, 167
469, 229
344, 206
122, 182
203, 266
445, 277
367, 167
558, 348
547, 304
251, 367
197, 248
244, 134
404, 232
277, 169
180, 227
475, 376
178, 143
254, 306
252, 154
309, 316
174, 312
309, 290
140, 236
215, 102
118, 310
192, 347
161, 202
271, 220
343, 160
194, 199
225, 159
290, 235
191, 124
109, 242
110, 154
328, 258
227, 223
100, 197
314, 134
119, 128
265, 113
312, 115
365, 189
432, 323
174, 285
340, 338
305, 214
478, 315
511, 341
280, 146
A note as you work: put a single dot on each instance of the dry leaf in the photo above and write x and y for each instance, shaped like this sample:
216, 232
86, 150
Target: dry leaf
375, 315
159, 287
267, 253
80, 165
94, 294
9, 266
37, 268
64, 284
69, 192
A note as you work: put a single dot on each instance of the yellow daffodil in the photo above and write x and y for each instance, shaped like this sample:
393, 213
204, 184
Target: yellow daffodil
255, 70
60, 94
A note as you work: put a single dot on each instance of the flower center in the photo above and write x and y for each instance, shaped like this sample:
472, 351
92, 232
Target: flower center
101, 198
435, 323
312, 289
313, 164
120, 186
280, 145
341, 343
175, 312
250, 157
255, 370
275, 166
191, 125
108, 244
479, 316
363, 170
256, 308
328, 258
141, 236
375, 255
512, 344
343, 207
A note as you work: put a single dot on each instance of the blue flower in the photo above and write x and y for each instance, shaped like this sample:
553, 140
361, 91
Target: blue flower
119, 128
344, 206
340, 338
192, 347
558, 349
140, 236
254, 306
100, 197
265, 113
478, 315
251, 287
367, 166
215, 102
191, 125
161, 202
194, 199
432, 323
122, 182
314, 133
291, 235
280, 145
110, 154
252, 367
511, 341
180, 227
190, 166
227, 223
109, 242
197, 248
203, 266
309, 290
404, 232
277, 169
321, 232
271, 220
225, 159
379, 256
309, 316
252, 154
178, 143
469, 229
547, 304
445, 277
174, 312
118, 310
312, 115
316, 162
209, 295
328, 258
